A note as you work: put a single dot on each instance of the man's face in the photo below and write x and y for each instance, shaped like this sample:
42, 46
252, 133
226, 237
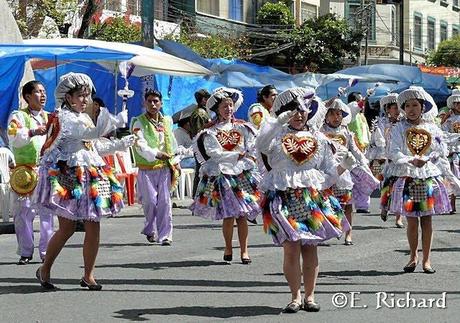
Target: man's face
37, 99
153, 104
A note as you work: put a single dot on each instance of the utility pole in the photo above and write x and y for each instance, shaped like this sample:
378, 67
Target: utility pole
368, 12
148, 31
401, 32
361, 11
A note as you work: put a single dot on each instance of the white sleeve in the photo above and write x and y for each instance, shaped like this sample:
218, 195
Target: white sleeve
18, 133
270, 128
141, 146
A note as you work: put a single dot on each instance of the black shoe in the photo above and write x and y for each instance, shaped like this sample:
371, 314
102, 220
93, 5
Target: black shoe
24, 260
311, 306
151, 238
399, 225
363, 211
246, 261
83, 283
428, 270
384, 216
166, 242
410, 268
253, 221
228, 258
348, 242
45, 284
292, 307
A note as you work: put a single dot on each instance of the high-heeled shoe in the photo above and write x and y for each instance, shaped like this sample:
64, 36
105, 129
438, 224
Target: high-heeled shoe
84, 283
228, 258
410, 268
45, 284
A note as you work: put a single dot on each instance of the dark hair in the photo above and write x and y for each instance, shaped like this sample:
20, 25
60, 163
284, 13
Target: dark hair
200, 94
153, 93
99, 101
353, 96
422, 103
293, 105
265, 91
182, 122
29, 87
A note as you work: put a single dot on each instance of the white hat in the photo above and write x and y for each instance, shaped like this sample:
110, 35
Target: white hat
69, 82
337, 104
416, 92
223, 93
391, 98
455, 97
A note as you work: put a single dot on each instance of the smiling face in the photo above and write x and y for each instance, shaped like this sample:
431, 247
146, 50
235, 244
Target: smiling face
78, 100
298, 120
153, 105
413, 110
334, 118
225, 110
37, 99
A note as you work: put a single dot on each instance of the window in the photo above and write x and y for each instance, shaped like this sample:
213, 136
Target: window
307, 11
134, 7
431, 33
443, 31
418, 31
113, 5
210, 7
455, 30
353, 16
455, 5
444, 3
235, 10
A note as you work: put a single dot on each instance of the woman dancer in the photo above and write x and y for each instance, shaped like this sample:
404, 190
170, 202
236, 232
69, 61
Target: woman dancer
74, 181
228, 179
300, 164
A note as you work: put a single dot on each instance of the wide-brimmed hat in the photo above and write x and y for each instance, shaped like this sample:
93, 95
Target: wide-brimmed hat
184, 113
391, 98
418, 93
23, 180
222, 93
455, 97
70, 81
337, 104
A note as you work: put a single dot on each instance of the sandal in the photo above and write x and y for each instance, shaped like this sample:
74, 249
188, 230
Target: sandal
292, 307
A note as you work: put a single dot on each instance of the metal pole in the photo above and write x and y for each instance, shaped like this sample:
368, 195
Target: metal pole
366, 43
401, 32
148, 23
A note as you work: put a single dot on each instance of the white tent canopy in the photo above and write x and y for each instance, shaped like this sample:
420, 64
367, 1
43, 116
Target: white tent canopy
147, 61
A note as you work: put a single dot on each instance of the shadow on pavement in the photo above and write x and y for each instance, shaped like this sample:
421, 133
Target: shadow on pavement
199, 311
369, 227
111, 245
451, 249
364, 273
165, 265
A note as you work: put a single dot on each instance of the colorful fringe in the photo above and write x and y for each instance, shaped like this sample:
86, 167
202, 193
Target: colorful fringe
422, 206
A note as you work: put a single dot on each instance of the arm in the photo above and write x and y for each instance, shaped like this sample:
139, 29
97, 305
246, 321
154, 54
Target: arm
18, 134
396, 143
270, 128
106, 146
141, 145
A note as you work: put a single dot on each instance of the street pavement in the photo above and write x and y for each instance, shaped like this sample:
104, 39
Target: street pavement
189, 282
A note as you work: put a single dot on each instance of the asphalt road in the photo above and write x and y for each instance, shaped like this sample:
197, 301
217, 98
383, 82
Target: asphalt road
189, 282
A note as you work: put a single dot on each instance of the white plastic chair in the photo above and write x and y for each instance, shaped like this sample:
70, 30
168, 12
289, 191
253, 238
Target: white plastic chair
6, 157
186, 182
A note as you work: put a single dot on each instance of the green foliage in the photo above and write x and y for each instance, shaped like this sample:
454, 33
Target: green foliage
446, 53
116, 29
213, 45
275, 14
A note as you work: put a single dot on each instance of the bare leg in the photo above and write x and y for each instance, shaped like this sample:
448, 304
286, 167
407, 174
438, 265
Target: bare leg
90, 249
412, 238
427, 236
55, 245
398, 220
227, 230
310, 269
452, 203
349, 216
242, 224
291, 269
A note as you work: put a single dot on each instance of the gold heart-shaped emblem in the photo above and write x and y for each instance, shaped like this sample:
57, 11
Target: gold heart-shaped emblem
418, 141
299, 149
229, 139
338, 138
456, 127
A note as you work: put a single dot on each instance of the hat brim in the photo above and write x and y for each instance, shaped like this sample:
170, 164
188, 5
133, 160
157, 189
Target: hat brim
17, 182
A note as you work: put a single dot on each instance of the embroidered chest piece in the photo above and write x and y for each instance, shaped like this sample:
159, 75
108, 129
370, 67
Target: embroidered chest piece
229, 139
299, 149
338, 138
418, 141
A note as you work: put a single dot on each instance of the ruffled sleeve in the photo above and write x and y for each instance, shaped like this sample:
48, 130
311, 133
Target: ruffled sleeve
18, 133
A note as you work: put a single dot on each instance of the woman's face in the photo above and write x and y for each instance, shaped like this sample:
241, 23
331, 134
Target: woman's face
225, 110
456, 107
78, 100
268, 100
334, 118
413, 109
298, 120
393, 111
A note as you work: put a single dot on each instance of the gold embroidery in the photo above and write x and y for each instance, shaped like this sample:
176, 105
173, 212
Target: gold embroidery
338, 138
418, 141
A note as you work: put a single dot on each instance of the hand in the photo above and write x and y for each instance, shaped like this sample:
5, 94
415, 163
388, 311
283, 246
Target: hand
163, 156
418, 162
285, 116
348, 162
241, 156
129, 140
122, 118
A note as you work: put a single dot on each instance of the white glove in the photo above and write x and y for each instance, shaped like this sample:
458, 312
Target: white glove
128, 141
285, 116
340, 153
348, 162
122, 118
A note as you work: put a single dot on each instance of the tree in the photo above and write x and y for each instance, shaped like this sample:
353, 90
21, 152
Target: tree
446, 53
116, 29
277, 15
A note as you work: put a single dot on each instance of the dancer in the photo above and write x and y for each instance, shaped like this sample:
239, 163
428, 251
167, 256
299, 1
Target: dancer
227, 189
296, 213
158, 171
259, 111
418, 191
26, 134
335, 128
380, 140
74, 181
